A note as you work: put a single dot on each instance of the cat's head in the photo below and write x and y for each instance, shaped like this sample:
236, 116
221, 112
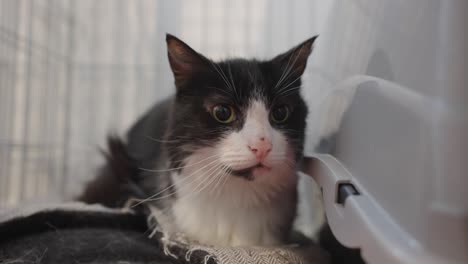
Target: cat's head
244, 117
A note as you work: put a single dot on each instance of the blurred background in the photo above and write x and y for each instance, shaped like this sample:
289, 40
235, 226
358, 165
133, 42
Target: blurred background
73, 71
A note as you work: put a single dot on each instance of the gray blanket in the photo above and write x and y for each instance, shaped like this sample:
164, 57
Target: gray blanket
79, 233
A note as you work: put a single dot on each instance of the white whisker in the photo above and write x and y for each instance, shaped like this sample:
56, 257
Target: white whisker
186, 184
174, 184
232, 81
226, 177
289, 68
222, 75
207, 180
167, 141
220, 178
181, 167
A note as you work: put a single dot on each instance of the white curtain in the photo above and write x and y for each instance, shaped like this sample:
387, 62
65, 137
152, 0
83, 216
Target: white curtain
73, 71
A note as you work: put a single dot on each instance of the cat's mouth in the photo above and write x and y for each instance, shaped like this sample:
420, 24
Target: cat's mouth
247, 173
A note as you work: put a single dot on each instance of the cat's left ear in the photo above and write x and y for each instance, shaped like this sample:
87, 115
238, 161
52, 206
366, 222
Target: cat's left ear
184, 61
294, 61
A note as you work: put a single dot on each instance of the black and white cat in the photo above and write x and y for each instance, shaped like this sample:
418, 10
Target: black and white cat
220, 156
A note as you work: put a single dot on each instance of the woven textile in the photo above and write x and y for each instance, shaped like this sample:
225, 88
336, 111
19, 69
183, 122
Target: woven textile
69, 233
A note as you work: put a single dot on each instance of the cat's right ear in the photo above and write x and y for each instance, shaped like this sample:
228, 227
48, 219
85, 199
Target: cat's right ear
184, 61
294, 61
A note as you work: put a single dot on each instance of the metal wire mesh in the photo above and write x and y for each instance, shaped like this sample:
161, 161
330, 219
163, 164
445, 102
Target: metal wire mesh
73, 71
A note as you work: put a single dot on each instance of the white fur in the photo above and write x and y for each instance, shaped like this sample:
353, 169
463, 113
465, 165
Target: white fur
221, 209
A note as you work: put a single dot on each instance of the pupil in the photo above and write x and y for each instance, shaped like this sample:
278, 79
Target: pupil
280, 113
223, 113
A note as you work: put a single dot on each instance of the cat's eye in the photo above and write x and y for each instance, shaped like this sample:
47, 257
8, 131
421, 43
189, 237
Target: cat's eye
223, 113
280, 114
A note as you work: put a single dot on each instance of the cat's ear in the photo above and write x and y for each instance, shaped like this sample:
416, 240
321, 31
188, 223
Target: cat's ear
184, 61
294, 61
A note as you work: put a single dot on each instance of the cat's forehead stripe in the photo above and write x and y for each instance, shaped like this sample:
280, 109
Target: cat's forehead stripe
257, 116
257, 110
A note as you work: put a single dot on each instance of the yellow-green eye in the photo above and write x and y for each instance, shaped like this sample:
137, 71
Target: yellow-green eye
223, 113
280, 114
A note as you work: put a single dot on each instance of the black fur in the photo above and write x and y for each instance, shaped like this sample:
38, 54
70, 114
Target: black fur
117, 181
68, 236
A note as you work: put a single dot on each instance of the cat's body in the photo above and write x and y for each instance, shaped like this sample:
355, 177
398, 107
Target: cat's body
219, 158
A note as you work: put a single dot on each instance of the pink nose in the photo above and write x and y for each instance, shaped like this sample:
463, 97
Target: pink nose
260, 148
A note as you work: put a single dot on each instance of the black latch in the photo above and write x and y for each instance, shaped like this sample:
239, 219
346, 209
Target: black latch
345, 190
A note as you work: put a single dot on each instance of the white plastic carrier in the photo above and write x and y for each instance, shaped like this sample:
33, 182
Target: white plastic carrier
396, 183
